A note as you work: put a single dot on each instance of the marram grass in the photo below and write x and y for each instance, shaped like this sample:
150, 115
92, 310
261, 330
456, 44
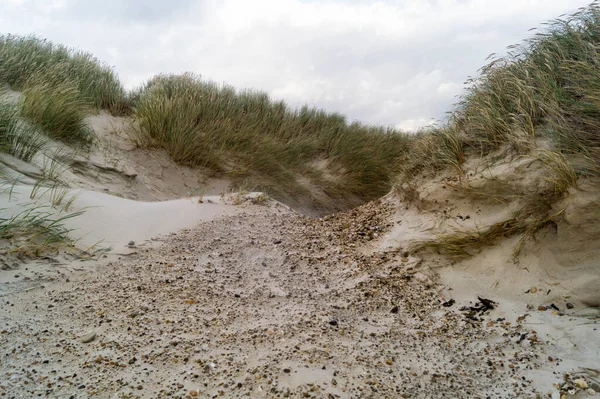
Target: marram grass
203, 123
27, 61
59, 110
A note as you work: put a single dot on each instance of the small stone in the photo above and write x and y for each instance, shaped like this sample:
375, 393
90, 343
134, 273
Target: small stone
89, 337
287, 370
542, 308
591, 392
131, 243
569, 305
194, 393
276, 241
394, 310
389, 362
581, 383
533, 290
333, 322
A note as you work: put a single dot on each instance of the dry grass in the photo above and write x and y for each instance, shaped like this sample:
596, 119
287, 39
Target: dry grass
528, 220
534, 215
17, 137
251, 137
36, 231
563, 176
548, 87
431, 150
59, 111
30, 61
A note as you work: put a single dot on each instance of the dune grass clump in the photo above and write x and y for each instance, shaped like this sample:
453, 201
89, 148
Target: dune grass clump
17, 137
247, 134
36, 231
59, 110
547, 87
431, 149
29, 61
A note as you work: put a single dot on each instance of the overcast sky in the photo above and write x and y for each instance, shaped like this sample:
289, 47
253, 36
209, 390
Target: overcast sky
391, 62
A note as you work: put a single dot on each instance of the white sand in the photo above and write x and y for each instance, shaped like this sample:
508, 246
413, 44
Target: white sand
110, 221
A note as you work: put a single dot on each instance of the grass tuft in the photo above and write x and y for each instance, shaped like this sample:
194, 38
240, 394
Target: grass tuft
546, 87
59, 110
36, 231
27, 61
17, 137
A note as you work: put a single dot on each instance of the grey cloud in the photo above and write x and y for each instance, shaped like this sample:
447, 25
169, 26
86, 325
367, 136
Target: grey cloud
130, 11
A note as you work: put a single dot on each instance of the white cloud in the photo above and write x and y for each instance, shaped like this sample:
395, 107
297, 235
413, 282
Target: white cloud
387, 62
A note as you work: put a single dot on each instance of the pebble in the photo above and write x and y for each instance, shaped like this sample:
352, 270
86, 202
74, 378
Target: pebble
89, 337
581, 383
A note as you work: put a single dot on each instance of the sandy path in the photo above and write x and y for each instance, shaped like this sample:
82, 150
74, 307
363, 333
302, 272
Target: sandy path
262, 304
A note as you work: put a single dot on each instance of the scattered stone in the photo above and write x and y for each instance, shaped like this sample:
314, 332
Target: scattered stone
89, 337
581, 383
448, 303
569, 305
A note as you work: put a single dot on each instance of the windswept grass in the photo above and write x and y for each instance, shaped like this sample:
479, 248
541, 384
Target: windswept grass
433, 149
30, 61
546, 87
545, 93
17, 137
59, 111
246, 134
36, 230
